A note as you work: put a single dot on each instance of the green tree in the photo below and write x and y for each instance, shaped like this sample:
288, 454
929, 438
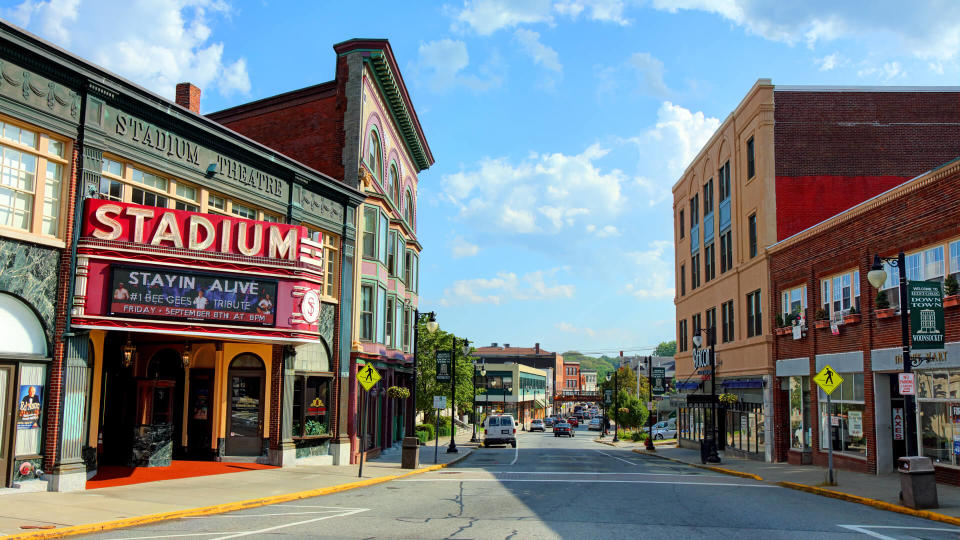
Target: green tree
637, 411
626, 381
427, 346
666, 348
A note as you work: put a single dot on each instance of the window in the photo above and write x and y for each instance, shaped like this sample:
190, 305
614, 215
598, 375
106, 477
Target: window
31, 180
683, 280
407, 266
801, 432
695, 323
708, 198
754, 315
891, 287
311, 405
399, 259
389, 322
374, 156
751, 162
392, 253
726, 321
366, 312
415, 273
712, 320
243, 211
381, 314
395, 183
382, 240
937, 395
408, 208
724, 181
695, 271
215, 202
726, 251
682, 336
840, 293
694, 211
681, 224
955, 257
331, 252
709, 265
847, 408
794, 301
370, 217
407, 331
752, 224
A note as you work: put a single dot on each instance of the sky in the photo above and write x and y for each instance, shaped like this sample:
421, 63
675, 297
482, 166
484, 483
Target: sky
558, 127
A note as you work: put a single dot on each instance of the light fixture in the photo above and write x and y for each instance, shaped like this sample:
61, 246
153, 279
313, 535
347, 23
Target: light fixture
877, 276
609, 376
432, 322
211, 169
483, 370
186, 355
697, 341
466, 347
128, 351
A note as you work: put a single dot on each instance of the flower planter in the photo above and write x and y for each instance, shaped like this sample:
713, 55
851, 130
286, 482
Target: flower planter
822, 324
951, 301
852, 318
886, 313
784, 331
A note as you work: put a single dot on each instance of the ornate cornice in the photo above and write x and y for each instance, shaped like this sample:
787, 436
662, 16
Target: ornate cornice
387, 80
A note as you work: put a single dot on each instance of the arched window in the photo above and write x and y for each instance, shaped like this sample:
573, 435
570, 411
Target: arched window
408, 208
373, 160
394, 184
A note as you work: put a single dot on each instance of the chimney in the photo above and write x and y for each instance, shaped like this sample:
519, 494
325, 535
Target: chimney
188, 96
506, 345
494, 344
536, 349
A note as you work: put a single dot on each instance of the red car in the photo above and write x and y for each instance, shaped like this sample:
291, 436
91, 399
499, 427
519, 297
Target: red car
573, 421
562, 428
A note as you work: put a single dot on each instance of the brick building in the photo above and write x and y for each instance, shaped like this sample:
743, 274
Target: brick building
787, 158
550, 362
362, 129
822, 272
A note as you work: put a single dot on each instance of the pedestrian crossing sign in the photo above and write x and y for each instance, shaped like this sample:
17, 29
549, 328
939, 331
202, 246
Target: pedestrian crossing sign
368, 377
828, 379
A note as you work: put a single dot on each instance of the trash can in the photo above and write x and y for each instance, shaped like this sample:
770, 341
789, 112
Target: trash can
410, 454
918, 482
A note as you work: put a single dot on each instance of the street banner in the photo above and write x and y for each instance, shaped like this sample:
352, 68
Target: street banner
659, 375
926, 314
607, 397
444, 366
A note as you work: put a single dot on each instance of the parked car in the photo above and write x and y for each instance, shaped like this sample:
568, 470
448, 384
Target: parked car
594, 424
573, 421
537, 425
665, 430
549, 421
500, 429
563, 428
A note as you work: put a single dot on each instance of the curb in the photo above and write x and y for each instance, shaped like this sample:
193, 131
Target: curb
89, 528
882, 505
705, 467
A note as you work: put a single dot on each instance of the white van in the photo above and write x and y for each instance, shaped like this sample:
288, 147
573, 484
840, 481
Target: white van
500, 429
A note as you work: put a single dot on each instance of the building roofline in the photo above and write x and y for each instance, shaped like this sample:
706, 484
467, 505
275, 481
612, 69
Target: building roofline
291, 98
111, 81
842, 88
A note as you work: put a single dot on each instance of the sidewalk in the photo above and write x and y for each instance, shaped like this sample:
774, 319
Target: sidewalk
115, 507
880, 491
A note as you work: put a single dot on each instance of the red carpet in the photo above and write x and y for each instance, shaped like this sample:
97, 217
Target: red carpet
109, 475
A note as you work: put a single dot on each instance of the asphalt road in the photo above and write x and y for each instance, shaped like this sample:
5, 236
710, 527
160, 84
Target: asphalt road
558, 488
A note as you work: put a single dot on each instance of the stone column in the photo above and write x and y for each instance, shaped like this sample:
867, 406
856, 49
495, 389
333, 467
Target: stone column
285, 453
69, 472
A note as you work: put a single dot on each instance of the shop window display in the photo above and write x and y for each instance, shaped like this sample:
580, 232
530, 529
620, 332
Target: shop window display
800, 429
311, 402
842, 422
938, 409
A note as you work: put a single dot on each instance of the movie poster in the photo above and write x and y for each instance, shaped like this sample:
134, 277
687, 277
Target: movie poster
30, 403
154, 293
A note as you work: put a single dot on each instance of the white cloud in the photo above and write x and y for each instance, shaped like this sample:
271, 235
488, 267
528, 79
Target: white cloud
887, 72
443, 62
830, 61
606, 231
506, 286
540, 53
568, 328
487, 16
650, 73
655, 278
925, 30
155, 44
460, 248
543, 194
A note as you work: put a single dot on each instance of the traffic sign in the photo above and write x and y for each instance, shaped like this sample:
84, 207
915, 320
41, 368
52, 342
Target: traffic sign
907, 387
828, 379
439, 402
368, 376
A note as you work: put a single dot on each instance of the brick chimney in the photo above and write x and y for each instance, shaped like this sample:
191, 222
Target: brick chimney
536, 349
494, 344
188, 96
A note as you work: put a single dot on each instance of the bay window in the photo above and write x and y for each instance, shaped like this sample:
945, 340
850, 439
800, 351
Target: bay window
370, 217
366, 312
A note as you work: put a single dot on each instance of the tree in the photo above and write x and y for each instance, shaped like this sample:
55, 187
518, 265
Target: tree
637, 411
427, 346
626, 381
666, 348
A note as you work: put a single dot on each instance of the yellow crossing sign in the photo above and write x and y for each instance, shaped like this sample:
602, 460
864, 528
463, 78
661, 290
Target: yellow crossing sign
828, 379
368, 377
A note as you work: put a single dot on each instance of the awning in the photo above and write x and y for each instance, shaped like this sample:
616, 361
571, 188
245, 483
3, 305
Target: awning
538, 404
689, 385
743, 383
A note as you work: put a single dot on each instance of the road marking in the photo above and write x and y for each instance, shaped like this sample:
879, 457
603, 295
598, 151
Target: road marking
166, 536
231, 516
278, 527
615, 473
568, 481
516, 454
615, 457
865, 529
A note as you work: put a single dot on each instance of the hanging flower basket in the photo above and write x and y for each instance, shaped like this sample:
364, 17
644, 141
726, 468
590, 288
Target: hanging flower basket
398, 392
624, 410
728, 399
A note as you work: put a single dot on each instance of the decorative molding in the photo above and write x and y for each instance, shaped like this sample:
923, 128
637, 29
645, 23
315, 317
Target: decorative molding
403, 117
325, 323
38, 92
321, 206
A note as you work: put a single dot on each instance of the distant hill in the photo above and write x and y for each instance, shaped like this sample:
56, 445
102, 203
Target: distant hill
602, 364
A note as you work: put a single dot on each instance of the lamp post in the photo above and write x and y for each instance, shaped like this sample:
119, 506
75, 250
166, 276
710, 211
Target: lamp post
616, 410
452, 449
877, 277
649, 445
483, 373
431, 327
523, 398
708, 445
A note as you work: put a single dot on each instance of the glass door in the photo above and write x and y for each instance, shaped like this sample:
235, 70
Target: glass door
6, 378
246, 418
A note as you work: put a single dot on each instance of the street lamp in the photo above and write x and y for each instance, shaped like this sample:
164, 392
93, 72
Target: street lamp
431, 327
616, 410
483, 373
452, 449
877, 276
708, 445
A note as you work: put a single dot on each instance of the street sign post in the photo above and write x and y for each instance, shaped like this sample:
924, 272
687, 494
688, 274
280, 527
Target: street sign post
439, 402
828, 380
367, 377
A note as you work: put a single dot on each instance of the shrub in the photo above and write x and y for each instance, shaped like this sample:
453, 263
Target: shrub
882, 301
423, 435
624, 434
444, 430
821, 315
778, 320
429, 429
951, 285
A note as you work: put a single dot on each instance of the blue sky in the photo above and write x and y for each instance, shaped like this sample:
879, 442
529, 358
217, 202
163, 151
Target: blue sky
558, 127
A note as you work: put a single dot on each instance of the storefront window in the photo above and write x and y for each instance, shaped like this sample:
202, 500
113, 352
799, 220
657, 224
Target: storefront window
27, 202
800, 429
842, 422
311, 399
938, 409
